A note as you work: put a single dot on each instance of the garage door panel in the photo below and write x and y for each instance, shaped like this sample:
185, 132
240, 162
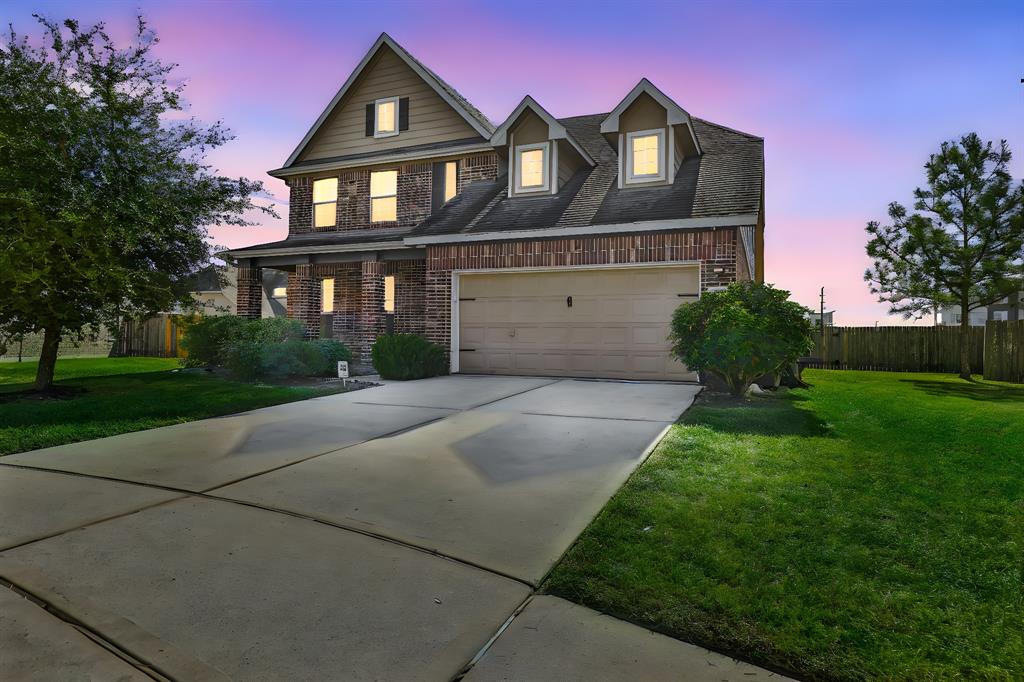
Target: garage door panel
617, 325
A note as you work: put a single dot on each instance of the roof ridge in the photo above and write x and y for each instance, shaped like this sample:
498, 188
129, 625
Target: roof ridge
731, 130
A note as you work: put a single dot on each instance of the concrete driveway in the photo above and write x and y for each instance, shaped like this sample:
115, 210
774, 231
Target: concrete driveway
389, 533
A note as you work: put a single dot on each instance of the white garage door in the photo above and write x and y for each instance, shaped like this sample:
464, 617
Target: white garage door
611, 322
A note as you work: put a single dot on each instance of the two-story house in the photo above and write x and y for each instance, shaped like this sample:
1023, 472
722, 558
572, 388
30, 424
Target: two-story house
540, 246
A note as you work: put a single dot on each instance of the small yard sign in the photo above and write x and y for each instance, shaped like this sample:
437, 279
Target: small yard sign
342, 369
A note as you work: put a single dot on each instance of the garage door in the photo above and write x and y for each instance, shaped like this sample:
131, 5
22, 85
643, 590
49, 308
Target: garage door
611, 322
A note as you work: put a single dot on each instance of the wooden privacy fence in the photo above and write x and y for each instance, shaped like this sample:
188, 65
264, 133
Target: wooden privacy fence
897, 349
1004, 351
156, 337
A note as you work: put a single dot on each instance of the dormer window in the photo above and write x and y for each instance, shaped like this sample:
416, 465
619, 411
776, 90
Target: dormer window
385, 117
532, 168
645, 155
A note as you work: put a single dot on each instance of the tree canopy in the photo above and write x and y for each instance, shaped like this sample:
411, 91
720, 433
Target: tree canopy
105, 194
962, 245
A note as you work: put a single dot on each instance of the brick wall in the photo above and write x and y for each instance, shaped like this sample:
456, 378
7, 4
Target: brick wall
249, 293
415, 187
715, 249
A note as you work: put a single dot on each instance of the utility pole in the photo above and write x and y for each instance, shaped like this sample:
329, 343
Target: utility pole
821, 320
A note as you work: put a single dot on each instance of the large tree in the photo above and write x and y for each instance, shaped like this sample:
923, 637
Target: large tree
963, 243
105, 196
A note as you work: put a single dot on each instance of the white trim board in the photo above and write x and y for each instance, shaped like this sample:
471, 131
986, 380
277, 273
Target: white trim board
614, 228
453, 332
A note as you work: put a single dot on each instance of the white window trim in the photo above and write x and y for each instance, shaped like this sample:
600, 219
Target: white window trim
662, 156
544, 186
384, 196
376, 105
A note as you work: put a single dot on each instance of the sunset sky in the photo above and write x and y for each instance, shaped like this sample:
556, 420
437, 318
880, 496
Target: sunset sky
850, 97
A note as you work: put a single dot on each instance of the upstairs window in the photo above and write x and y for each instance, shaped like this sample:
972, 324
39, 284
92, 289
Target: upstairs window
325, 202
386, 117
645, 155
532, 167
384, 196
279, 292
451, 180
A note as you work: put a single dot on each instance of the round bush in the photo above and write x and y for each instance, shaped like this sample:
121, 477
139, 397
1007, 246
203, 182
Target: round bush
738, 334
333, 352
408, 356
244, 359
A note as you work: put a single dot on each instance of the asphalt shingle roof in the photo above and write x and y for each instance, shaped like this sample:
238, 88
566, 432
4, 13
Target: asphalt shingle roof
725, 180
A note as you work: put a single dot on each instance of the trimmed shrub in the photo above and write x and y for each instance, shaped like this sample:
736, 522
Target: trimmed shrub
739, 334
408, 356
206, 338
244, 359
333, 352
291, 359
273, 330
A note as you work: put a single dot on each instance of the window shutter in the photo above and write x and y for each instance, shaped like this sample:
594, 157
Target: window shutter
437, 187
369, 119
403, 113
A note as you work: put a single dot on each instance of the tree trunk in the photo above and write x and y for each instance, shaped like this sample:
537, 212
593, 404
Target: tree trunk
47, 358
965, 342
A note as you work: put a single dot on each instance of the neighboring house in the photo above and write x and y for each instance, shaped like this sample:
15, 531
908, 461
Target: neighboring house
815, 318
1008, 308
539, 246
215, 290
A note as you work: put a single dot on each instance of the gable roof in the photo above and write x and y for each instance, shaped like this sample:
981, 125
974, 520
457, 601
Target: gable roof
676, 114
460, 104
556, 131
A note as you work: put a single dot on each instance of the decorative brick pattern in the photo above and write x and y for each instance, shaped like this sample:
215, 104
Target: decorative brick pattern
249, 293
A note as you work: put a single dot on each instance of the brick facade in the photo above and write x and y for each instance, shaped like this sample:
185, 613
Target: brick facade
415, 189
715, 249
249, 293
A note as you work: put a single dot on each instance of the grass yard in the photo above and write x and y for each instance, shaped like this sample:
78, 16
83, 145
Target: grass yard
869, 527
122, 395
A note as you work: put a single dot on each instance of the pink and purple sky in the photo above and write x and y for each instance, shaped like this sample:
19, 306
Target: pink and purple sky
850, 97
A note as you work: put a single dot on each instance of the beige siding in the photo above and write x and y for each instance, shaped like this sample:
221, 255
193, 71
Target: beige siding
569, 162
530, 128
643, 114
431, 119
617, 326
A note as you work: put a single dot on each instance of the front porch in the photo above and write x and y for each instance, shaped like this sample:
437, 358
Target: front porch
353, 302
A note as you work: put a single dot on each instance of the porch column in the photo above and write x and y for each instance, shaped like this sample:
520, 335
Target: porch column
304, 299
371, 307
348, 294
249, 293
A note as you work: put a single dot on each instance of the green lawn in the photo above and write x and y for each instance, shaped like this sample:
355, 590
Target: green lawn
121, 395
869, 527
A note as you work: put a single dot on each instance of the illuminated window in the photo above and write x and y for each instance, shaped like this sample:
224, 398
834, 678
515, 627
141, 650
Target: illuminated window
279, 292
532, 167
451, 179
385, 122
645, 155
327, 295
325, 202
383, 196
389, 294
